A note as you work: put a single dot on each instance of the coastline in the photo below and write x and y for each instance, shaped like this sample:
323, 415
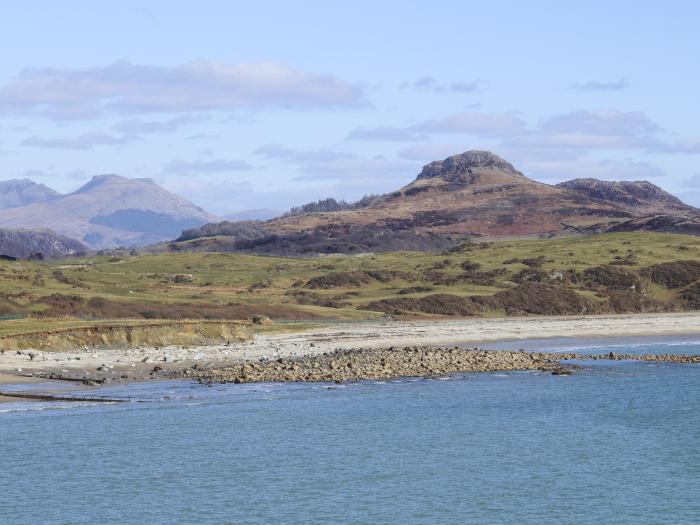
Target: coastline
136, 364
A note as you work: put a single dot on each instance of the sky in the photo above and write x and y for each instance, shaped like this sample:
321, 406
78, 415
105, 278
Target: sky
248, 105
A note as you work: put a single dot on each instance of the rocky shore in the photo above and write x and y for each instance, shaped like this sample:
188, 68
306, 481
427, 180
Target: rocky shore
356, 365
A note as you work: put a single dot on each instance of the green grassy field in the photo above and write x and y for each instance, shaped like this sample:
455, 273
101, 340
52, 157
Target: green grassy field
220, 285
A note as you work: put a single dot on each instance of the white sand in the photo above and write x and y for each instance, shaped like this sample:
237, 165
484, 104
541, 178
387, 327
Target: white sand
359, 335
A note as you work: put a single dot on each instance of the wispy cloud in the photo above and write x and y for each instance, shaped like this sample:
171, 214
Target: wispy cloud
383, 134
692, 182
299, 156
689, 146
475, 123
141, 127
605, 169
85, 141
127, 88
332, 164
597, 85
196, 167
428, 83
586, 130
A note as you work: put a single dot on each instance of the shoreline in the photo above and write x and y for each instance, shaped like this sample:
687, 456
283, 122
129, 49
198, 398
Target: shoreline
137, 364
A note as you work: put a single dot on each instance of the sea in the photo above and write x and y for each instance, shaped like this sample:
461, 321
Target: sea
616, 442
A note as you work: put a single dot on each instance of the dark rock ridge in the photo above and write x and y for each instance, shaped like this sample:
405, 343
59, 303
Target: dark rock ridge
23, 244
20, 192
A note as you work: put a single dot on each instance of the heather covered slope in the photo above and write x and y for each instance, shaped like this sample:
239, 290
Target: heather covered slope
111, 211
478, 193
475, 194
608, 273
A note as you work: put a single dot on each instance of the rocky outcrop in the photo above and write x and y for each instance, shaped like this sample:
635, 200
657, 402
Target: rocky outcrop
22, 244
460, 165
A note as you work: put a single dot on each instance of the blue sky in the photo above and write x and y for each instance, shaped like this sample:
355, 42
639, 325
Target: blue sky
269, 104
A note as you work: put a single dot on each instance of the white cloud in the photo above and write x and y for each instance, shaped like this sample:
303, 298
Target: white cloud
127, 88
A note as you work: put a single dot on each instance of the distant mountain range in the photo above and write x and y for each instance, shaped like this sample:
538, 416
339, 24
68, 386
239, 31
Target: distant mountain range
475, 194
472, 195
20, 192
106, 212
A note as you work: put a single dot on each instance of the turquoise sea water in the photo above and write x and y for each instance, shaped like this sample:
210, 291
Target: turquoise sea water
616, 442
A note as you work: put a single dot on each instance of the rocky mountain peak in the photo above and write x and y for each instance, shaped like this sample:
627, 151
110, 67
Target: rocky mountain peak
99, 181
458, 165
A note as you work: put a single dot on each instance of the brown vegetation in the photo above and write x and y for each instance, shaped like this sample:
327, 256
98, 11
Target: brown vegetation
440, 304
536, 298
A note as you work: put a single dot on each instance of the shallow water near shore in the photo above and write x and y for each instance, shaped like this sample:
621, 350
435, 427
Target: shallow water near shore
615, 443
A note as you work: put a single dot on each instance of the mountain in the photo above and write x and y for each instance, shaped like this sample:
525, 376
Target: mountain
475, 194
23, 244
111, 211
20, 192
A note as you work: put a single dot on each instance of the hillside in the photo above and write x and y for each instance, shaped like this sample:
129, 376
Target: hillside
622, 272
475, 194
110, 211
20, 192
30, 243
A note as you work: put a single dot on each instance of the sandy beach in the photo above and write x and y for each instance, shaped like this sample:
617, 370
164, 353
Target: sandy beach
149, 363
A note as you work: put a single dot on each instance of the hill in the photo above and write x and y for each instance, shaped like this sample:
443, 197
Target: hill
20, 192
475, 194
110, 211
